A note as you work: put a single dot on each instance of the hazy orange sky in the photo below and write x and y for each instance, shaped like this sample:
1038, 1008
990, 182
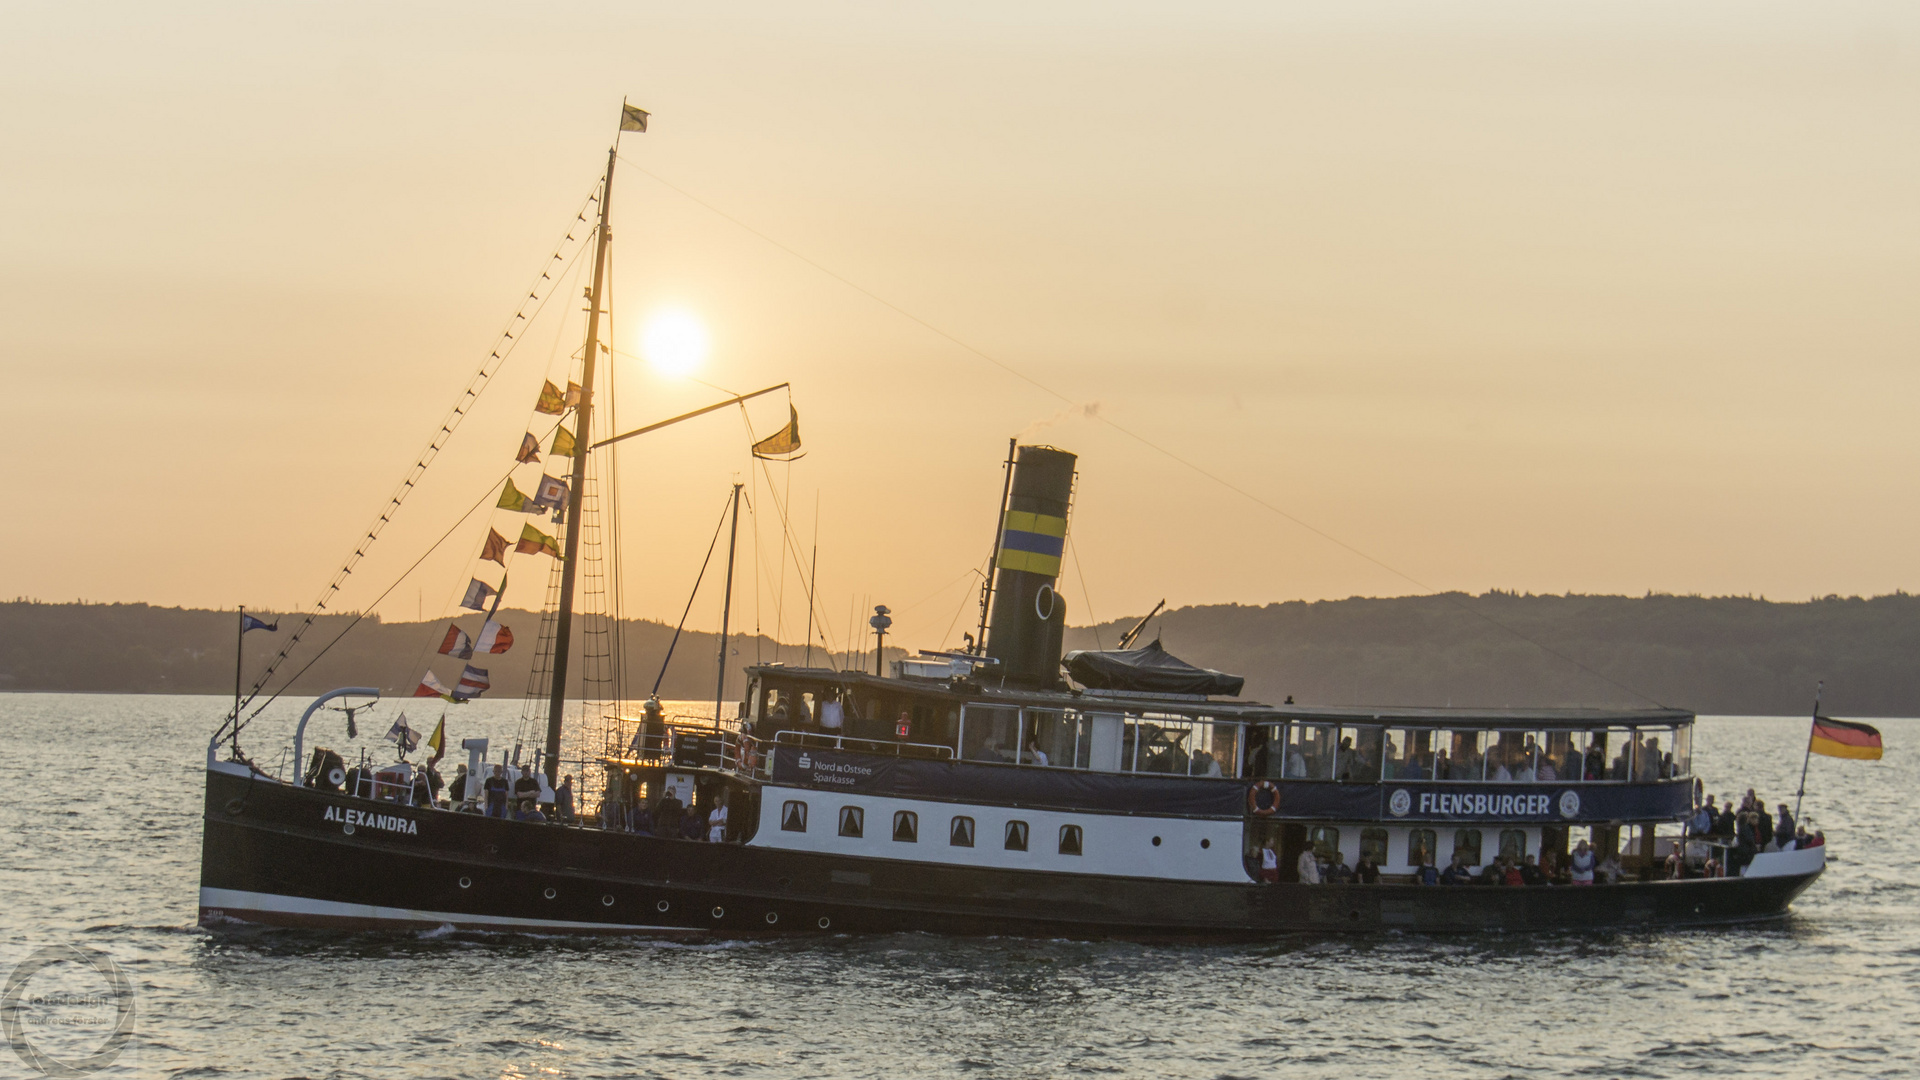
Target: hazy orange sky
1519, 296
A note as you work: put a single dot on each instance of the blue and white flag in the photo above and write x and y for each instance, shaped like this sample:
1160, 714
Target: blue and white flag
248, 622
473, 683
403, 735
477, 593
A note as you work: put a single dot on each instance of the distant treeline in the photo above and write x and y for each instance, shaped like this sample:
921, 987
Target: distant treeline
1724, 654
138, 648
1711, 654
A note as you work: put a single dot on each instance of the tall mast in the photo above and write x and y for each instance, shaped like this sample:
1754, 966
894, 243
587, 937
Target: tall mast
726, 610
583, 438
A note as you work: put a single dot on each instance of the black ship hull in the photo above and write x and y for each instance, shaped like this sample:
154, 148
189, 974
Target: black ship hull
282, 855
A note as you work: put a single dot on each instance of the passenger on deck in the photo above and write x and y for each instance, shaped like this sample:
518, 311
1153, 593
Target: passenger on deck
459, 793
1296, 765
1524, 772
1035, 755
1676, 864
1783, 831
1269, 864
1424, 872
1338, 872
496, 789
1646, 761
1531, 872
1608, 872
1512, 871
1546, 773
1763, 827
1501, 775
1456, 872
1413, 769
1309, 868
639, 818
1596, 763
717, 822
1581, 864
832, 714
527, 786
563, 799
1494, 873
1702, 821
666, 815
527, 812
692, 825
1725, 825
1366, 871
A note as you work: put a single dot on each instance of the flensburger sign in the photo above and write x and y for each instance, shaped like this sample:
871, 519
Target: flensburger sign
1482, 803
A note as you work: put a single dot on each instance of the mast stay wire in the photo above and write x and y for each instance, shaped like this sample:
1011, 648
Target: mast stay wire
476, 385
1080, 571
1142, 439
567, 277
691, 597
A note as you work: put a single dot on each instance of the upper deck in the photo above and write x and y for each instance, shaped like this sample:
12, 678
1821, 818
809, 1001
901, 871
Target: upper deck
1361, 752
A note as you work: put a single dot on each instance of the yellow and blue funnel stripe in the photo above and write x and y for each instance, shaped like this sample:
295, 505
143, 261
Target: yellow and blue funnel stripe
1032, 542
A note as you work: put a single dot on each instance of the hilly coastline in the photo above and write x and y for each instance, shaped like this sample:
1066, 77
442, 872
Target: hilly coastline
1724, 655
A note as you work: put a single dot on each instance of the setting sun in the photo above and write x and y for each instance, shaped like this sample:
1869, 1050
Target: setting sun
675, 342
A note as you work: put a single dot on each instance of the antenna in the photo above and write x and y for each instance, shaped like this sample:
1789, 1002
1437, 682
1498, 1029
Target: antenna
1126, 639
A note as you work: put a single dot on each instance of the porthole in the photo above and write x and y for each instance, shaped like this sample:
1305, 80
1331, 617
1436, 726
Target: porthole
607, 900
347, 829
661, 906
719, 913
1205, 843
548, 892
234, 806
466, 883
772, 917
825, 922
1156, 841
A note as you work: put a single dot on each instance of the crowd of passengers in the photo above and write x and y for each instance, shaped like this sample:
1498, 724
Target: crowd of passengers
1640, 759
1743, 832
512, 792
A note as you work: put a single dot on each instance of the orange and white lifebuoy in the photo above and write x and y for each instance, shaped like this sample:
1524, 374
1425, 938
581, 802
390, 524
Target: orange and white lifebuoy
1263, 798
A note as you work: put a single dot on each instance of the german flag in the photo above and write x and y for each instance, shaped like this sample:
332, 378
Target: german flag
1844, 738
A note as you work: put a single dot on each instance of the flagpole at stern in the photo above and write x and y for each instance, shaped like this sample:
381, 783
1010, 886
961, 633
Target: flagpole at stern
1808, 758
239, 647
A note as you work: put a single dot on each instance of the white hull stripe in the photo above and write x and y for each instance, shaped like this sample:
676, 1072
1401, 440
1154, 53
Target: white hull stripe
240, 904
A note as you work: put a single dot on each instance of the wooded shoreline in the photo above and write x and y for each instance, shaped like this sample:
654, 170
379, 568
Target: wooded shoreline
1717, 655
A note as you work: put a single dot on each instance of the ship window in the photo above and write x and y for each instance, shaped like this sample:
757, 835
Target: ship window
1326, 842
1409, 755
1466, 842
1016, 836
1513, 844
1510, 757
1357, 760
1423, 847
853, 821
989, 734
1653, 757
1310, 751
1058, 738
961, 834
793, 816
1373, 845
1069, 839
1682, 752
1461, 755
906, 826
1220, 750
1163, 745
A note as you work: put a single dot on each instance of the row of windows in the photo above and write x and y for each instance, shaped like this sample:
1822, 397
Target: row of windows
1422, 844
906, 828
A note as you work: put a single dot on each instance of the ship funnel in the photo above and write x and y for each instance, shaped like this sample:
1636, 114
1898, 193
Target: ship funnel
1028, 621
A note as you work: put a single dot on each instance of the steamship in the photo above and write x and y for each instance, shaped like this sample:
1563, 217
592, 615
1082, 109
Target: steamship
1009, 787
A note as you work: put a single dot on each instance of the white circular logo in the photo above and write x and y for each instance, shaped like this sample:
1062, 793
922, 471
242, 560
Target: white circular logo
1399, 803
1569, 804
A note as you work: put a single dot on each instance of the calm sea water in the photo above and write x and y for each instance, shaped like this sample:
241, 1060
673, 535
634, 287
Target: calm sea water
102, 835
